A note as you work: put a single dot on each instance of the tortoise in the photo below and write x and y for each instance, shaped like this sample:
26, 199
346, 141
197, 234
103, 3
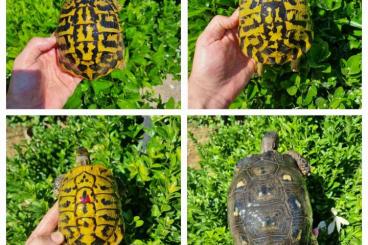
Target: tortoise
89, 38
89, 206
268, 201
275, 31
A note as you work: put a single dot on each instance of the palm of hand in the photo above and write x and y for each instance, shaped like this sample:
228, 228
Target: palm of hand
229, 65
44, 84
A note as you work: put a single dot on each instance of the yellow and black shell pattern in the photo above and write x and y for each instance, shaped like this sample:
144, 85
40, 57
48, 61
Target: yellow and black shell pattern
89, 38
89, 208
274, 31
268, 202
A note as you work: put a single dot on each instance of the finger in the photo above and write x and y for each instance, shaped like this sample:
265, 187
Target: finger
55, 238
218, 26
48, 223
34, 49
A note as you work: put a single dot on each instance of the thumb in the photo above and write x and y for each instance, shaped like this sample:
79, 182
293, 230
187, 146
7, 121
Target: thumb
33, 50
217, 27
54, 238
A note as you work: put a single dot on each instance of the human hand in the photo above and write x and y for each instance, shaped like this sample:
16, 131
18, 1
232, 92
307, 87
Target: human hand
220, 70
37, 80
44, 233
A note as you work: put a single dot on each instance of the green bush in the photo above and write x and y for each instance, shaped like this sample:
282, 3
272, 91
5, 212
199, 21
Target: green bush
332, 144
330, 74
148, 177
152, 40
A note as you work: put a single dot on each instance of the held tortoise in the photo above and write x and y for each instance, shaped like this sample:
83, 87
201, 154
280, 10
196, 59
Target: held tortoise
89, 206
275, 31
89, 38
268, 202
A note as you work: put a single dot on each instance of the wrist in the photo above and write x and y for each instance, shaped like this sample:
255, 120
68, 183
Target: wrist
200, 97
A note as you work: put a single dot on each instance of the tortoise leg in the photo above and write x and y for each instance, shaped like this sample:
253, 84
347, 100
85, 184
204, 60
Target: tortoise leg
295, 65
57, 185
303, 164
259, 69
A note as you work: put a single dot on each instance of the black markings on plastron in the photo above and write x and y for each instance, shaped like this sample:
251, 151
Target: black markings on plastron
85, 210
113, 63
104, 70
294, 53
85, 75
104, 188
85, 224
82, 67
302, 23
65, 11
260, 42
255, 3
74, 19
105, 8
292, 2
106, 202
109, 44
119, 54
66, 204
85, 50
67, 190
66, 219
283, 59
109, 24
62, 28
259, 57
107, 218
98, 241
105, 231
70, 58
250, 51
283, 48
268, 51
84, 14
70, 231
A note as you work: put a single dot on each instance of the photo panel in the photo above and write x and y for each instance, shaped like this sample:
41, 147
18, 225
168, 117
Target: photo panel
281, 178
275, 54
93, 54
95, 179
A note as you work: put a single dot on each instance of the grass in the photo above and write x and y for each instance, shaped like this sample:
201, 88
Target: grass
152, 39
148, 178
330, 74
332, 144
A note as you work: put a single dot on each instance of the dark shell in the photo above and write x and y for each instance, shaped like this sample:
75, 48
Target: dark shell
268, 202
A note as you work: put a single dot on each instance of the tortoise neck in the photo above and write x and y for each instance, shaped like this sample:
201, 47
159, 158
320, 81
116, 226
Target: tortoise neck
82, 160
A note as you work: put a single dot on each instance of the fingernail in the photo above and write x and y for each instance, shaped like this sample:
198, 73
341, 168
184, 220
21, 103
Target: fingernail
57, 237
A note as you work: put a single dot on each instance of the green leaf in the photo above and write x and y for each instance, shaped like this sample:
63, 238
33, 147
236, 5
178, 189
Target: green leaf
292, 90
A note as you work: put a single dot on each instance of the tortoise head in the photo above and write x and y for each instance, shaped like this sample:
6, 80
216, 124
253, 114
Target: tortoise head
82, 156
270, 142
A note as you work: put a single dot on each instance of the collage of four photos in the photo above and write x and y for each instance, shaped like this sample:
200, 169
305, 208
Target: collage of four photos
111, 140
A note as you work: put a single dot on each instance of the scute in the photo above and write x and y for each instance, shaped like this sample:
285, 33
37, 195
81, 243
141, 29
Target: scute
89, 38
272, 210
89, 210
274, 31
